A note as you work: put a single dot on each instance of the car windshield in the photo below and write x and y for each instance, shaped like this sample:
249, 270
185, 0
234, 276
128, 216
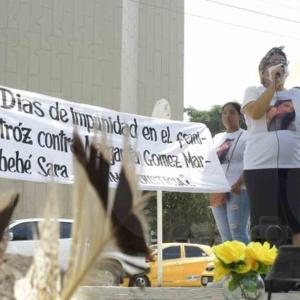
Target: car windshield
28, 229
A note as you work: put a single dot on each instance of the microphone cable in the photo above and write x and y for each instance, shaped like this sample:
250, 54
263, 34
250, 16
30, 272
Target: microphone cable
282, 217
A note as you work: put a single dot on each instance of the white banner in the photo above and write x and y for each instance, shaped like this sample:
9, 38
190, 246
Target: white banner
36, 137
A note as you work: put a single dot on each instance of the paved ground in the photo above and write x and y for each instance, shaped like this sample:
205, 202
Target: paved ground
117, 293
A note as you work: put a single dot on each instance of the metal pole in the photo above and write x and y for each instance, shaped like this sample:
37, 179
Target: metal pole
161, 110
159, 239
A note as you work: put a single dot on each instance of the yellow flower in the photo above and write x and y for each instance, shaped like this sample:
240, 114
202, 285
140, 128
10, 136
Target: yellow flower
219, 272
248, 265
262, 253
230, 252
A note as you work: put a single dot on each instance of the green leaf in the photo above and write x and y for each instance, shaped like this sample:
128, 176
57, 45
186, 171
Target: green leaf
233, 283
250, 283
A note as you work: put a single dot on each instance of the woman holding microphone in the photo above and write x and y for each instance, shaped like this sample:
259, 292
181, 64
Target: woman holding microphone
272, 154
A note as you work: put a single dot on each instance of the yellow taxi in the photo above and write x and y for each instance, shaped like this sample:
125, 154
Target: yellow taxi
183, 264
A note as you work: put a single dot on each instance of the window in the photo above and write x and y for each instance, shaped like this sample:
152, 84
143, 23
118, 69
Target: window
24, 231
65, 230
171, 252
191, 251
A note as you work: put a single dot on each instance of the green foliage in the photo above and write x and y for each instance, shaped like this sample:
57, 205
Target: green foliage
234, 282
211, 118
263, 269
245, 286
180, 209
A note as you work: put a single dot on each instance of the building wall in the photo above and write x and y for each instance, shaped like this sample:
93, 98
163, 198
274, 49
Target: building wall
161, 43
130, 50
119, 54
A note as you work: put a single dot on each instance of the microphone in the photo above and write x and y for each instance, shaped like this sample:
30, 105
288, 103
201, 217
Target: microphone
277, 74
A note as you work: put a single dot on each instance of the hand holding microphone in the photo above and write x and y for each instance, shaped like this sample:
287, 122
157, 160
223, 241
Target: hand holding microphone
278, 74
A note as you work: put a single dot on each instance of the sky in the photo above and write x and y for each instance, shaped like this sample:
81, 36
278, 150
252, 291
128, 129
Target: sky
224, 45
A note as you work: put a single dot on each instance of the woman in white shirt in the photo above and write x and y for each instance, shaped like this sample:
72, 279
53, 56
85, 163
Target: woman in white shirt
272, 155
231, 212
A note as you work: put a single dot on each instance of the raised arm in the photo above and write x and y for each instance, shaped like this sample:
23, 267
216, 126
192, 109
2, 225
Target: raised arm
258, 107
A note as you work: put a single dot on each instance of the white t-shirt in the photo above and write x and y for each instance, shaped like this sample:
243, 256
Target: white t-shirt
224, 143
274, 139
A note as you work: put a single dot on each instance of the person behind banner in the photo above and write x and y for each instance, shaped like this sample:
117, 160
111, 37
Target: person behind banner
231, 210
272, 154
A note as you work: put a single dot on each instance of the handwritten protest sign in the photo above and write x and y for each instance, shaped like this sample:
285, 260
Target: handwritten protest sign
36, 144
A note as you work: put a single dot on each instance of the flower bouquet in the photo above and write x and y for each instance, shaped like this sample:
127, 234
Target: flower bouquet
240, 267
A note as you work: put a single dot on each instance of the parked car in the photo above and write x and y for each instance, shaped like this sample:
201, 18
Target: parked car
183, 265
114, 265
208, 274
23, 236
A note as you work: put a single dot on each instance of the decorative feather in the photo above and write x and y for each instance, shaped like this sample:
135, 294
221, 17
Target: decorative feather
118, 229
42, 281
8, 203
128, 227
90, 238
98, 227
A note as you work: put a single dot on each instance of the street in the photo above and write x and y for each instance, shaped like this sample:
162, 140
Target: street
117, 293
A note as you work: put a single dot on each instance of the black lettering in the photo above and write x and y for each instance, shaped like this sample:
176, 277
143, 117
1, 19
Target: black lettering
193, 161
25, 105
114, 177
189, 138
59, 142
54, 111
161, 160
26, 136
58, 113
133, 129
149, 133
37, 109
15, 164
105, 124
166, 135
89, 122
18, 133
9, 101
8, 98
52, 169
162, 180
41, 161
63, 115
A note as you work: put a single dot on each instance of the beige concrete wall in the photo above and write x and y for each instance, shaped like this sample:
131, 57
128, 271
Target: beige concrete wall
152, 55
161, 46
130, 50
122, 55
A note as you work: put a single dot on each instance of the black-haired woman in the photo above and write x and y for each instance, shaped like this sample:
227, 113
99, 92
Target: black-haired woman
272, 155
231, 210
